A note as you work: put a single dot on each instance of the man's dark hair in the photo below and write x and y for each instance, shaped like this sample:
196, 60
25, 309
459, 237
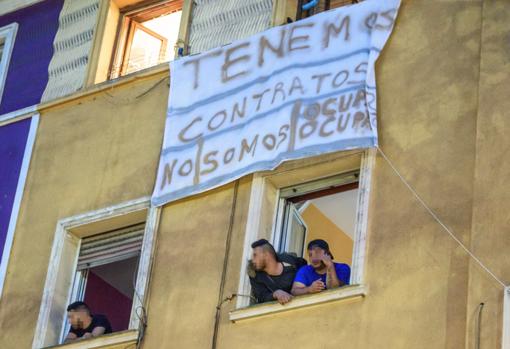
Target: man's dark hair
320, 244
266, 246
78, 306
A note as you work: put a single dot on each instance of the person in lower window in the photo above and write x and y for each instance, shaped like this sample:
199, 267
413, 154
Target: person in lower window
85, 325
322, 272
271, 275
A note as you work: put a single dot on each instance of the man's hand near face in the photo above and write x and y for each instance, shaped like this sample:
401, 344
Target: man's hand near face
328, 262
332, 280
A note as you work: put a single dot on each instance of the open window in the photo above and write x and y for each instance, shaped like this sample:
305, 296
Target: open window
103, 258
106, 274
324, 197
147, 36
323, 209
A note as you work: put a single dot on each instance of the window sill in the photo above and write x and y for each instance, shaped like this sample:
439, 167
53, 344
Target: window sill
124, 337
339, 294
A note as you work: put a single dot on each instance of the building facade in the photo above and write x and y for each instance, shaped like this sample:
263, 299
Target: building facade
421, 220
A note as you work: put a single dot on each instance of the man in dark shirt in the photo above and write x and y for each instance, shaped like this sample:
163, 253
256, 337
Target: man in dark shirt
85, 325
273, 274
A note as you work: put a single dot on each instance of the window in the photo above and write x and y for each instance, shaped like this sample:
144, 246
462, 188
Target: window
106, 274
147, 36
323, 209
322, 197
7, 36
102, 257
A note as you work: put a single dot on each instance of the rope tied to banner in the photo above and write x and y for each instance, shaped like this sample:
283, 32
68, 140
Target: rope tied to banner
439, 221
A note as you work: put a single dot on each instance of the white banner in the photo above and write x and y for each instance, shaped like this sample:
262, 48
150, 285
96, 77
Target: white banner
293, 91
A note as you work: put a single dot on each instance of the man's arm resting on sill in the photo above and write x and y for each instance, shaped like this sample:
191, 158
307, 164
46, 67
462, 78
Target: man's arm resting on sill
98, 331
299, 288
262, 294
70, 337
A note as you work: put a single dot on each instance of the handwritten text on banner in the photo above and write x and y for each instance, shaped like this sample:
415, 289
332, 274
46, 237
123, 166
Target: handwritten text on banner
290, 92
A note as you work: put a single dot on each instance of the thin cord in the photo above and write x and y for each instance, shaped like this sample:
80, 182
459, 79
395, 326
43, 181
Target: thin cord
225, 265
152, 87
232, 296
143, 317
436, 218
479, 325
132, 99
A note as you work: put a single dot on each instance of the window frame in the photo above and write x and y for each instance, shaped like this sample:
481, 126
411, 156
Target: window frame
62, 268
262, 189
79, 287
9, 33
133, 27
125, 30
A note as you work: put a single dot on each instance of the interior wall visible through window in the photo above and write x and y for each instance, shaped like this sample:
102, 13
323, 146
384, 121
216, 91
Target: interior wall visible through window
323, 209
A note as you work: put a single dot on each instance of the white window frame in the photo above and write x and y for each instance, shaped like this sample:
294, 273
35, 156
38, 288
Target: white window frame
20, 188
9, 33
78, 292
58, 288
253, 233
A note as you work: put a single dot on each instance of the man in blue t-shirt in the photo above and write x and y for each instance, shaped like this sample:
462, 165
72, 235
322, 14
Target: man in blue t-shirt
322, 273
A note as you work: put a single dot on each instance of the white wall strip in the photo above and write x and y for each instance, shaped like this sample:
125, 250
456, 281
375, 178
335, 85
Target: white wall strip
17, 115
17, 199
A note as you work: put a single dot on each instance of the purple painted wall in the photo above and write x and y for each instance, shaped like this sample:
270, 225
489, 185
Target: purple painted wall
13, 139
33, 48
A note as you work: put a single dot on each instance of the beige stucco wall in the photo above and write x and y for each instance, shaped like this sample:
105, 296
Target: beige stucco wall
490, 239
88, 154
442, 99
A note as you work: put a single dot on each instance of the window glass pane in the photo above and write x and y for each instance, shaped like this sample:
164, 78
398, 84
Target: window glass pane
145, 51
296, 232
154, 45
168, 27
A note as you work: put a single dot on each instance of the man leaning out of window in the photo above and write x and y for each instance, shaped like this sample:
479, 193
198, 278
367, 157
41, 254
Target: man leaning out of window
271, 274
85, 325
322, 272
